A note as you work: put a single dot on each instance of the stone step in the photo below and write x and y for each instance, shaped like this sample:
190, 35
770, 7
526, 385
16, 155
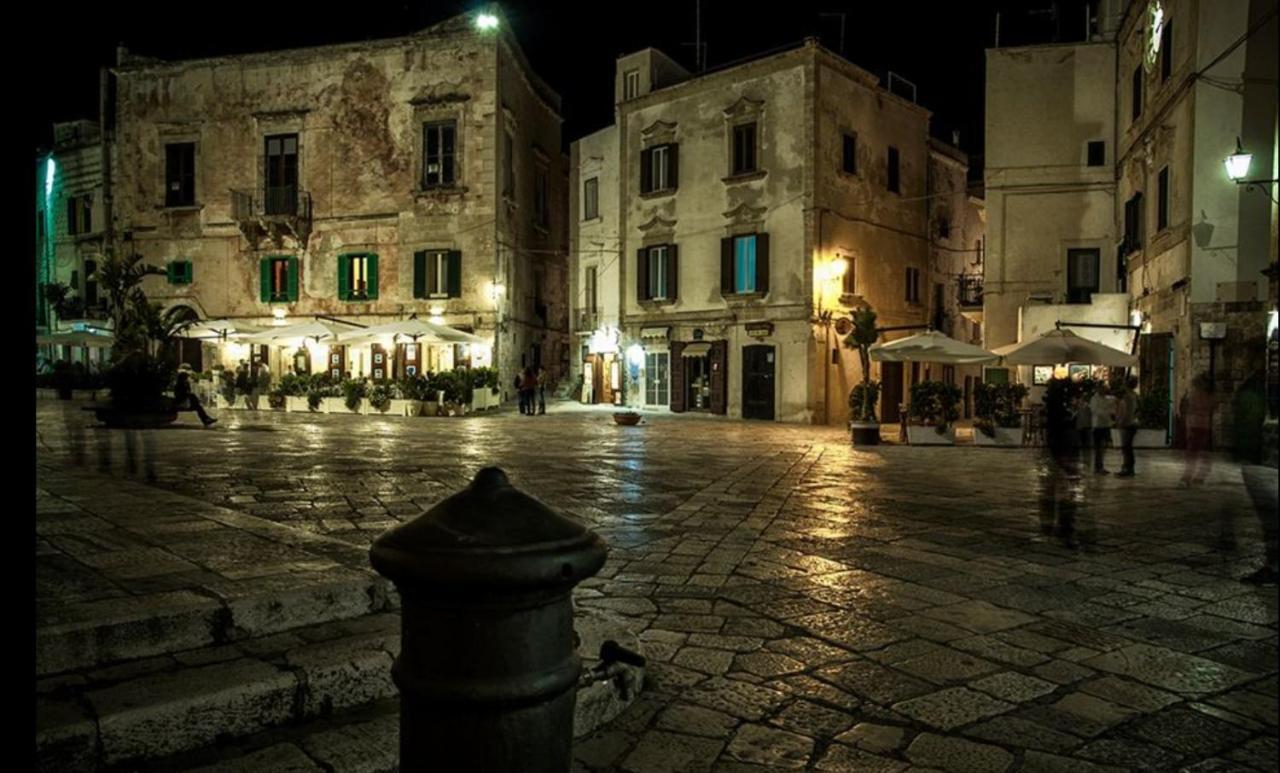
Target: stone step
93, 634
145, 710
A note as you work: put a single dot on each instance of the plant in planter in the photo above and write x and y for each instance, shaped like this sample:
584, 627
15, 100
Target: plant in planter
352, 393
315, 398
227, 386
626, 418
996, 407
276, 398
380, 397
863, 425
934, 404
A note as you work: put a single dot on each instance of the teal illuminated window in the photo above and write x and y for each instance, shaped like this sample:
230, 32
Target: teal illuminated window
744, 264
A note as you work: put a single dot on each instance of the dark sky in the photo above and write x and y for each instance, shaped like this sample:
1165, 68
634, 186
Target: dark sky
572, 45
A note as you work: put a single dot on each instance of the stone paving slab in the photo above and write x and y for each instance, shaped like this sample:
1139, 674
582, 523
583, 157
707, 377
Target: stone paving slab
749, 539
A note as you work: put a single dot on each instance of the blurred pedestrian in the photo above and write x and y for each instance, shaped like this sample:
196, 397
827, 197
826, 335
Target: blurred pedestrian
1084, 424
1248, 412
1127, 422
185, 399
1198, 416
542, 390
1102, 407
528, 387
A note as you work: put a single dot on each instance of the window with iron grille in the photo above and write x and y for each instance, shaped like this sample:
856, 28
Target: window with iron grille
180, 174
439, 154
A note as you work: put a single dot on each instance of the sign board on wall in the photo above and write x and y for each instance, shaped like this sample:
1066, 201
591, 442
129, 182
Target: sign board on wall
759, 329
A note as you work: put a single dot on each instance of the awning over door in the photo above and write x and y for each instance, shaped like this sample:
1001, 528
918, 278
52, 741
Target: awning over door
653, 333
700, 349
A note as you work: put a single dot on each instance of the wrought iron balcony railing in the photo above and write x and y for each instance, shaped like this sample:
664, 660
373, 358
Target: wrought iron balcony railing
970, 292
274, 212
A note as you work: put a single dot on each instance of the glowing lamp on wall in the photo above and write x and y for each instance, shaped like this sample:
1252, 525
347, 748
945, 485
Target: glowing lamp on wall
635, 355
1238, 163
49, 172
837, 268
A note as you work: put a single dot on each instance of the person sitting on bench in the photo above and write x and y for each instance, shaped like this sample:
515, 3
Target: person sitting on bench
185, 399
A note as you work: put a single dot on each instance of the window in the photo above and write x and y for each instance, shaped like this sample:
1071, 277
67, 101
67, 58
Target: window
1136, 99
279, 280
1162, 200
658, 273
591, 199
744, 149
1133, 236
850, 278
1166, 51
1082, 275
658, 168
80, 214
913, 285
439, 159
893, 182
508, 166
631, 84
282, 174
180, 174
437, 274
944, 226
358, 277
589, 289
178, 272
849, 155
1097, 153
541, 215
744, 264
657, 378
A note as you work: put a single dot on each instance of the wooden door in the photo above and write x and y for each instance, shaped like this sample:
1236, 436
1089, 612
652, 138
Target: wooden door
890, 391
678, 383
718, 361
758, 382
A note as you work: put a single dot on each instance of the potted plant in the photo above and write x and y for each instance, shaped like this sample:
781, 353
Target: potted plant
407, 397
933, 411
276, 399
626, 418
864, 428
315, 399
452, 388
380, 397
998, 421
353, 392
295, 387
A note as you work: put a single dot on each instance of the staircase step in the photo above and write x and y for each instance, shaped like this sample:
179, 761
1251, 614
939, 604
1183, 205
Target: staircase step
151, 709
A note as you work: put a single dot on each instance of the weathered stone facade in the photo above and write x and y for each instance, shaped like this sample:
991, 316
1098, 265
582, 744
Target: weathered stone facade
358, 113
795, 192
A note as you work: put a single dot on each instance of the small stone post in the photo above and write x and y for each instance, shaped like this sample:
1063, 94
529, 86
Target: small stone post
487, 669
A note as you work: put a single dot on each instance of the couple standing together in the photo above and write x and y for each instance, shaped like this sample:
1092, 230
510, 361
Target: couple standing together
532, 388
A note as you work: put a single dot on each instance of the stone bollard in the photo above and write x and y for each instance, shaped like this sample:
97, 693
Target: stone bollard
487, 669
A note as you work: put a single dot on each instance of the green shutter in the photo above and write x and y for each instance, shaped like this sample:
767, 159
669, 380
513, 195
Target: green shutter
762, 263
455, 274
373, 276
188, 273
265, 264
293, 280
420, 274
344, 278
169, 272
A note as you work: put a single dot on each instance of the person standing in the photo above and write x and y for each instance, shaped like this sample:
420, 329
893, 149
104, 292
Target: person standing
528, 386
1127, 421
542, 391
519, 386
1102, 409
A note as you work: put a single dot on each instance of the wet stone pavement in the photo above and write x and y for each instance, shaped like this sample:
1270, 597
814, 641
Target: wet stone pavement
806, 605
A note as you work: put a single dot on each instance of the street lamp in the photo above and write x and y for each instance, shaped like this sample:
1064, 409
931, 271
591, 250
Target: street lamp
1238, 168
486, 21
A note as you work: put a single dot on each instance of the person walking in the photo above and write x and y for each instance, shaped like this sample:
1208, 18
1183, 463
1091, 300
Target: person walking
1084, 425
1102, 409
242, 378
1127, 421
1198, 415
542, 391
519, 387
184, 398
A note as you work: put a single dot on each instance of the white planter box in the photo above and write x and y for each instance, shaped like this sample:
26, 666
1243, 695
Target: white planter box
336, 405
295, 404
1146, 438
1006, 437
928, 436
405, 408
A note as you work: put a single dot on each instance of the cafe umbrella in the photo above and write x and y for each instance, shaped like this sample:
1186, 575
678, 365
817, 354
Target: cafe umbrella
1063, 346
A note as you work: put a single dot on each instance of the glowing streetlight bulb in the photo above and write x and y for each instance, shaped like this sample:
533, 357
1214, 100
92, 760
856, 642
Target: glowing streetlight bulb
837, 268
1238, 163
486, 21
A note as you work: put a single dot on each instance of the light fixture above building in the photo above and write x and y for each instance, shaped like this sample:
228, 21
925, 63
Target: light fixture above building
486, 21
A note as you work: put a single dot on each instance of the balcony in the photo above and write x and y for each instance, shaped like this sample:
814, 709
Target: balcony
585, 320
274, 213
969, 297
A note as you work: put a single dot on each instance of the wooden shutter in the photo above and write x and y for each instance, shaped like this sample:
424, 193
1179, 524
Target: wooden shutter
420, 274
373, 276
344, 278
293, 279
187, 273
454, 271
646, 174
726, 266
673, 166
673, 272
677, 377
719, 361
762, 263
265, 271
642, 274
170, 272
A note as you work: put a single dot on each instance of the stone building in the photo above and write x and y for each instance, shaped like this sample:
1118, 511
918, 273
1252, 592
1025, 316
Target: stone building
1108, 197
366, 182
708, 220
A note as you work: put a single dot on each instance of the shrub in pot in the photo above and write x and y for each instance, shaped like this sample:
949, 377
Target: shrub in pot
380, 398
863, 426
315, 398
996, 408
276, 398
934, 404
353, 392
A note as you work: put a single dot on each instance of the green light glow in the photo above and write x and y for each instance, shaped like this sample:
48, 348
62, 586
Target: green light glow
48, 178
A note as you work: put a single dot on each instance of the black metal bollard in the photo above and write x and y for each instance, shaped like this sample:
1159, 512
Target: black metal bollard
487, 669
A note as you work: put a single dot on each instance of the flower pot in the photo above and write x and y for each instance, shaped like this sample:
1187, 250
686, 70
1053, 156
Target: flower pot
864, 433
1005, 437
296, 404
919, 435
405, 407
1145, 438
335, 405
626, 419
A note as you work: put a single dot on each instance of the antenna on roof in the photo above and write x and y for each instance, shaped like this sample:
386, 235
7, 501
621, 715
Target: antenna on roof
841, 16
699, 48
896, 78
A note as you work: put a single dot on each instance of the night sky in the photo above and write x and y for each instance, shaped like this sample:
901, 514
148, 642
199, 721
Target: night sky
572, 45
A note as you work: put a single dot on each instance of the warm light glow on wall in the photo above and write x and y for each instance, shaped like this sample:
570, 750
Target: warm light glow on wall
494, 290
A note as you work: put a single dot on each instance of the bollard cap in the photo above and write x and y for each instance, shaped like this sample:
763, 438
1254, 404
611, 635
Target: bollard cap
490, 535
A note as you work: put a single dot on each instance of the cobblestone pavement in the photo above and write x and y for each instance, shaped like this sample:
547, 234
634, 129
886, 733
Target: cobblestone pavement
804, 604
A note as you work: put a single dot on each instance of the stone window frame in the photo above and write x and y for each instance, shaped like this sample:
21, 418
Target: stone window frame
433, 111
745, 110
273, 123
183, 133
659, 232
745, 220
586, 215
541, 217
660, 133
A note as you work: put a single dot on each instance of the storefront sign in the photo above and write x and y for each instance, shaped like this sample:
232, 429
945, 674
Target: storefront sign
760, 329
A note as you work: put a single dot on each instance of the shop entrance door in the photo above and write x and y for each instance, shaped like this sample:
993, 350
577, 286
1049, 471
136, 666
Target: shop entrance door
757, 382
697, 374
890, 391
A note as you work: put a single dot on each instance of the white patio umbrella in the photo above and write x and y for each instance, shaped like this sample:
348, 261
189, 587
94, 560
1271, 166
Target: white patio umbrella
931, 346
219, 328
417, 330
1064, 346
317, 330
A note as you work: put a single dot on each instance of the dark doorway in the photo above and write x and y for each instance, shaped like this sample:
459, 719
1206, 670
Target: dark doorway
281, 194
697, 373
890, 391
757, 382
1155, 364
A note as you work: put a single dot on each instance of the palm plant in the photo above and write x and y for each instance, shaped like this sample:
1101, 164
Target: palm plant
863, 335
136, 322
